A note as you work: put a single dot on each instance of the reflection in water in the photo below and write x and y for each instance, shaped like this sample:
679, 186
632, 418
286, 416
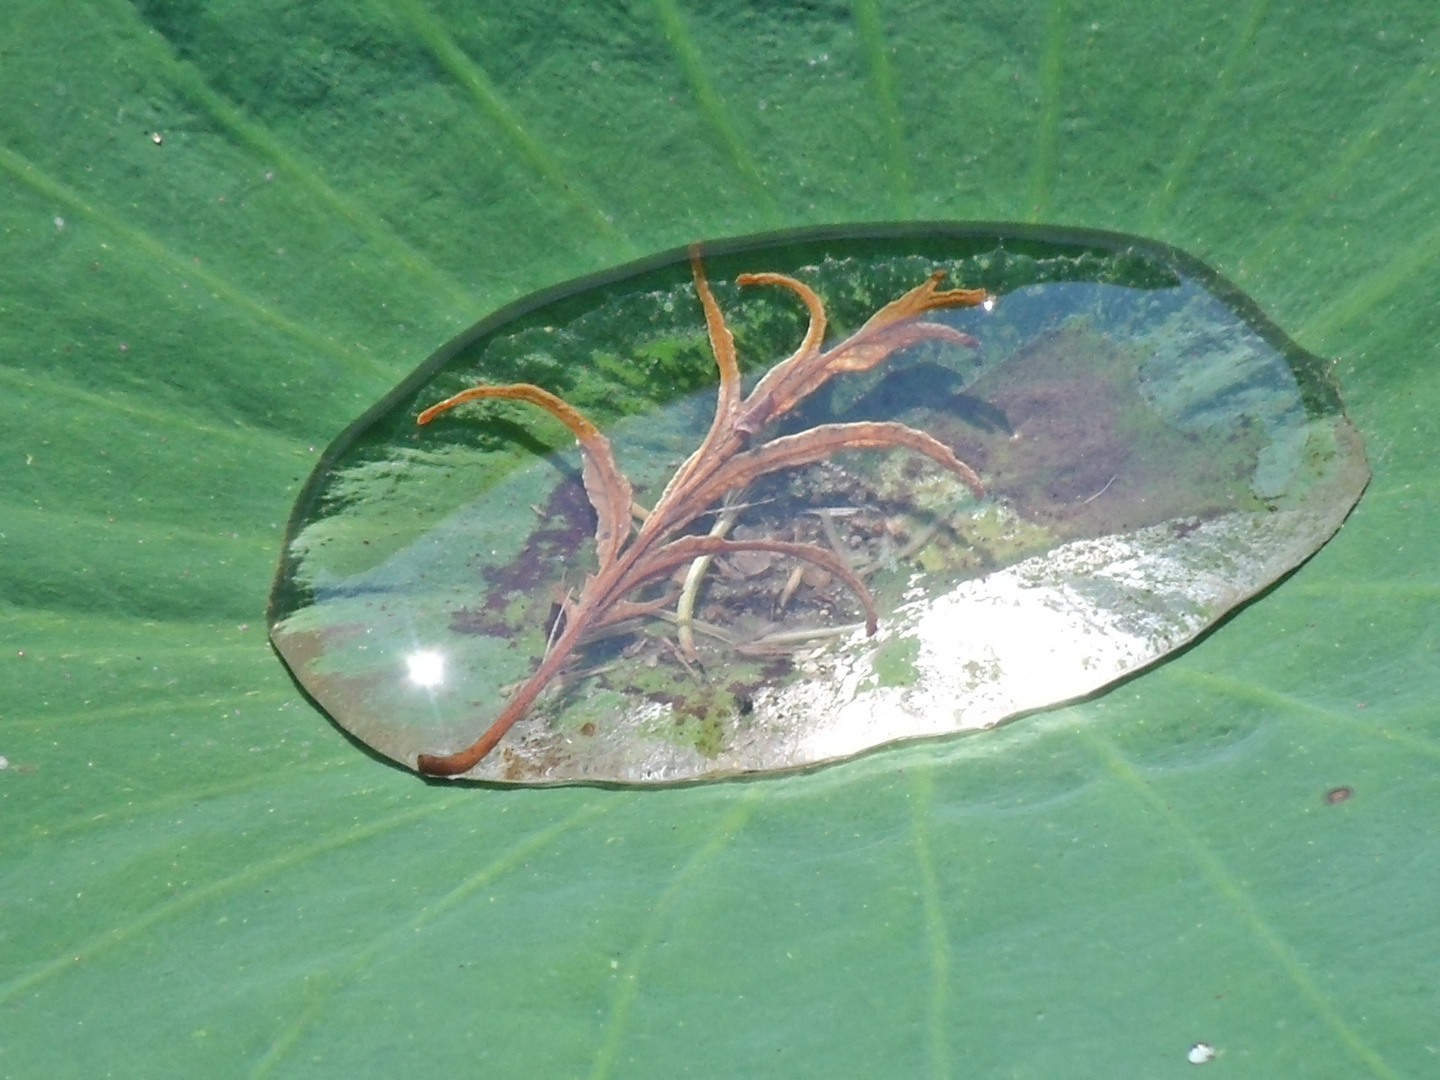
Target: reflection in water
427, 668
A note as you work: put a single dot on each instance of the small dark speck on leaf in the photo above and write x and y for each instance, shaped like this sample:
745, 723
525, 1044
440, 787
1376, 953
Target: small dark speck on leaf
1338, 795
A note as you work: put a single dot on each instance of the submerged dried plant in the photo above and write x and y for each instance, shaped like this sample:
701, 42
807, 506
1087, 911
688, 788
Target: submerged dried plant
728, 459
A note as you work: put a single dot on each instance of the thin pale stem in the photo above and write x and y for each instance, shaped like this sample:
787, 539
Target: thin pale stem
685, 609
832, 535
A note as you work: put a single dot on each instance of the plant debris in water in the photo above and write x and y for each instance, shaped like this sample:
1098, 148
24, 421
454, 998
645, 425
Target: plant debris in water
1153, 452
733, 455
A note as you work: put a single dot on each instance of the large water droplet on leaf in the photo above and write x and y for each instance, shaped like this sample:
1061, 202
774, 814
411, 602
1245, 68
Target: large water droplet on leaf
1154, 451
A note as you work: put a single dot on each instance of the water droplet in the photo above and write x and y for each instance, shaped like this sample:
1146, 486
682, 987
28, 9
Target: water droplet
1153, 453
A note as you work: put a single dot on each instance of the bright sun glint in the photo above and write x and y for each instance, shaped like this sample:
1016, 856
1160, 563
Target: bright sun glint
426, 668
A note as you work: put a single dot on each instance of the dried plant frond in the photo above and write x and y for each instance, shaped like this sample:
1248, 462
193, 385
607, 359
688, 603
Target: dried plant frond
726, 461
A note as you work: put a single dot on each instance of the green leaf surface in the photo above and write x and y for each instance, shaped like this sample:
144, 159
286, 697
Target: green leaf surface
202, 877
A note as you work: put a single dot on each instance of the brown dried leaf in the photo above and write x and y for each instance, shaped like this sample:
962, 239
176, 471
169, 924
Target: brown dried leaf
792, 380
819, 443
605, 485
720, 465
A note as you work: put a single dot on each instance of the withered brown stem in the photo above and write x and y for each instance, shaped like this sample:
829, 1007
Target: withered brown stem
727, 460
